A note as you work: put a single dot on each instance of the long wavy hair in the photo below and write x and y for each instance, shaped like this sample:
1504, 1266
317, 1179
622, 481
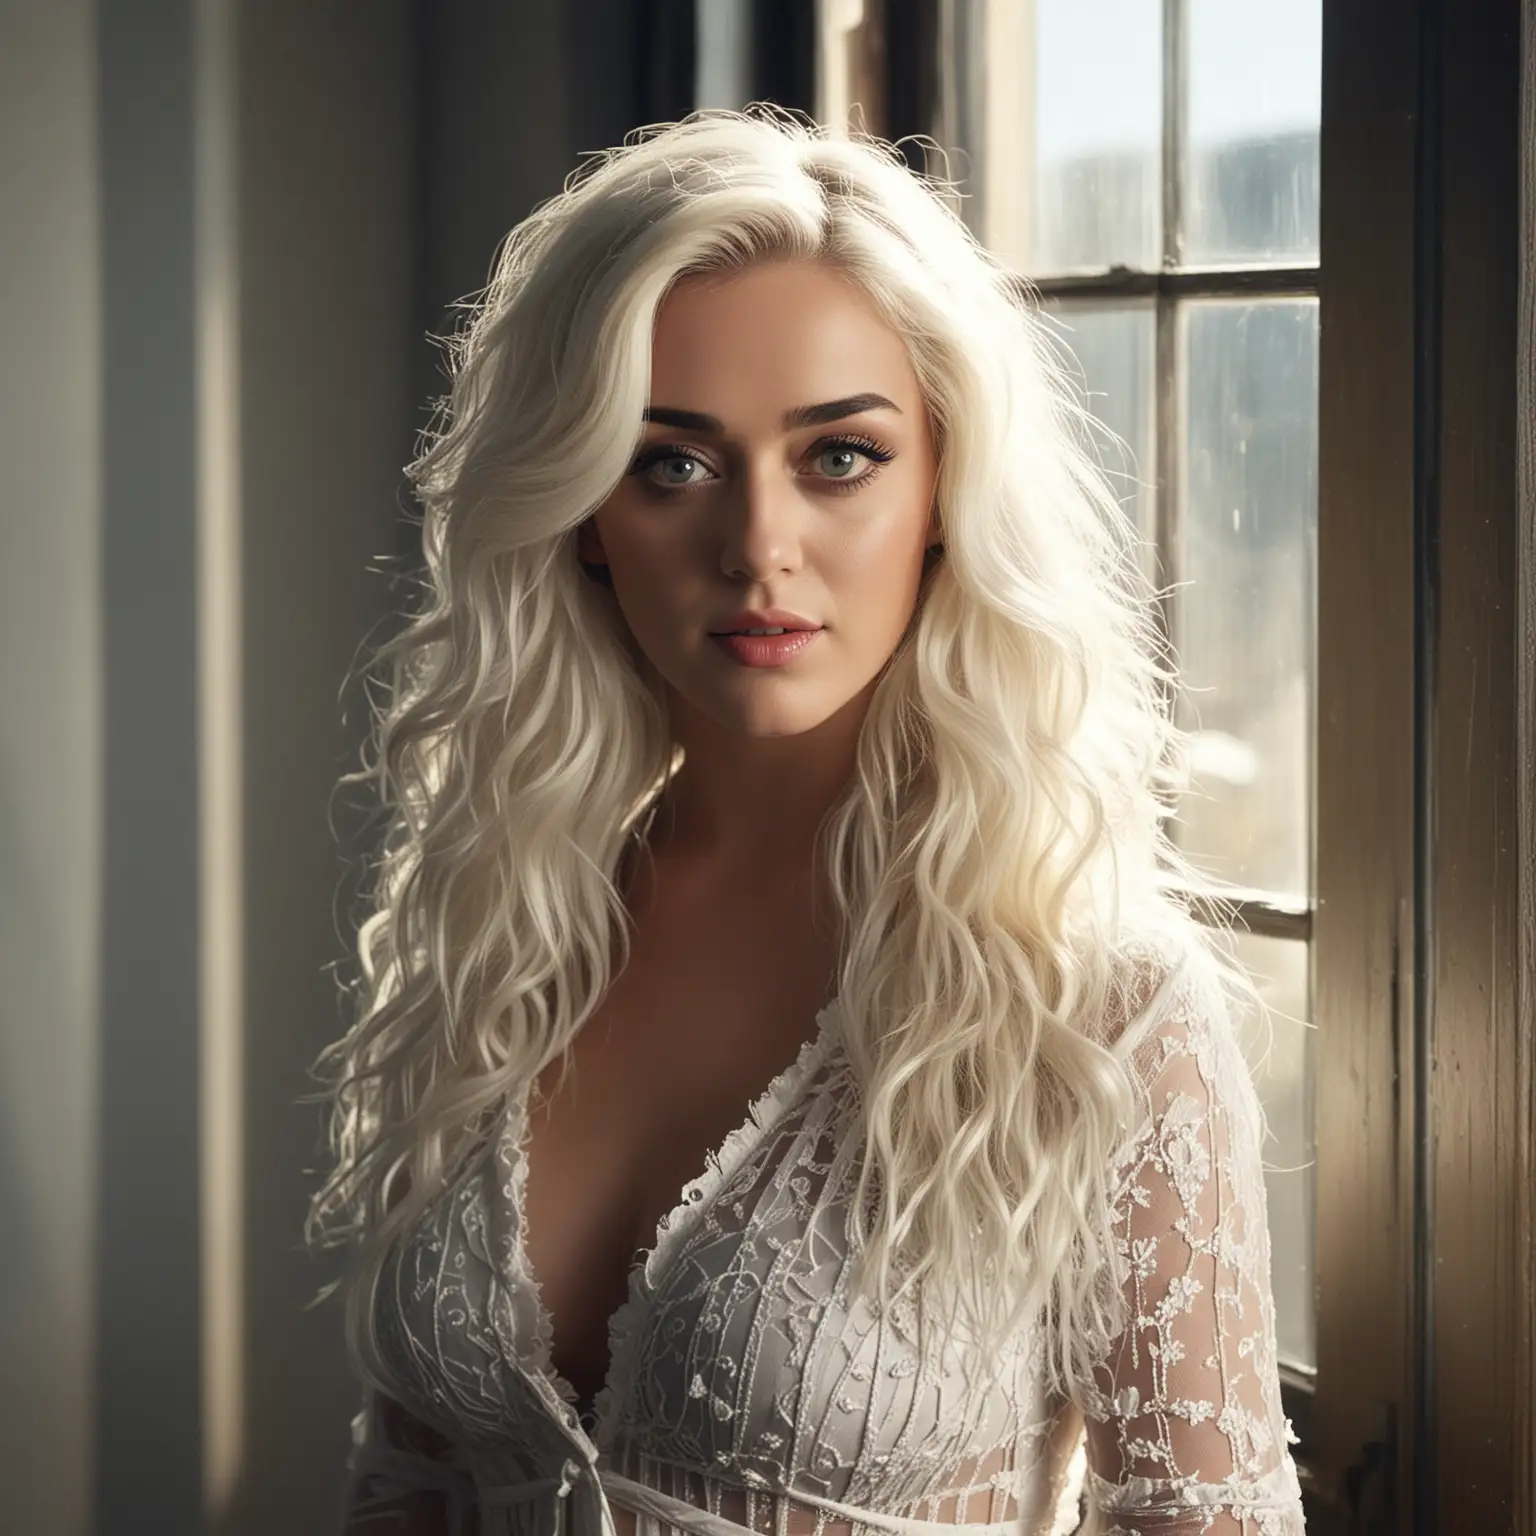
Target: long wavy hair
997, 854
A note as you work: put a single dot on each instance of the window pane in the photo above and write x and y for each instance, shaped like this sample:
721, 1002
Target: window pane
1245, 541
1255, 91
1279, 968
1114, 347
1071, 134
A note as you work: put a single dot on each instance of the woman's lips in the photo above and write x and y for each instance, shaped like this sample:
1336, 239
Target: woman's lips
766, 650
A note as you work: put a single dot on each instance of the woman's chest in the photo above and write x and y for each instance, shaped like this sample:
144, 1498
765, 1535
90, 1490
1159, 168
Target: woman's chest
742, 1353
660, 1076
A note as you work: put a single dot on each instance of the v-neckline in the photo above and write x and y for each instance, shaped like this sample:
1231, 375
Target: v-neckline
648, 1266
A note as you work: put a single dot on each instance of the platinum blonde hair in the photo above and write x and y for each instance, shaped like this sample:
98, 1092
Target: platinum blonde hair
997, 855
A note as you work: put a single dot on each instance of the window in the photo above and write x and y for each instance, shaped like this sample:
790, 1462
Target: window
1313, 316
1153, 170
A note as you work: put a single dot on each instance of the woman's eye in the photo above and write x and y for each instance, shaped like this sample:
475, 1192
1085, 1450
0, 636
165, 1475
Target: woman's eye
850, 462
846, 463
676, 469
671, 467
839, 463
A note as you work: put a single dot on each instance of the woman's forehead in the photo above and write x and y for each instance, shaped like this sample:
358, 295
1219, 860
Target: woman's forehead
770, 282
778, 335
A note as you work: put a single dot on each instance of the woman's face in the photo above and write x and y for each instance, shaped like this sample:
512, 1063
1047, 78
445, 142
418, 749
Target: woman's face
787, 462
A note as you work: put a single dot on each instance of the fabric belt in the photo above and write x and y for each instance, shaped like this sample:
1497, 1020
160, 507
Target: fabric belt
644, 1499
590, 1493
688, 1517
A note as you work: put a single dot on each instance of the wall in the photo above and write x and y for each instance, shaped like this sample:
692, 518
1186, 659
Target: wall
234, 222
50, 756
327, 258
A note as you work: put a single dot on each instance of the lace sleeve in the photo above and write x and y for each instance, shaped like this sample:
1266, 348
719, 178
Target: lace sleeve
1185, 1431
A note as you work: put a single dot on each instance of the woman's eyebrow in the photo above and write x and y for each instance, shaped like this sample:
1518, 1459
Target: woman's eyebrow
800, 416
835, 410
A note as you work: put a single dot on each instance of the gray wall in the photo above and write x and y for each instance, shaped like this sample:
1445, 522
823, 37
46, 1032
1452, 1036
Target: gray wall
50, 757
383, 151
315, 185
327, 257
490, 152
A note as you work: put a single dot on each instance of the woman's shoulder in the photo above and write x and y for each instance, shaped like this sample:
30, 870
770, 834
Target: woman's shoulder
1177, 1024
470, 1152
1149, 973
1181, 1042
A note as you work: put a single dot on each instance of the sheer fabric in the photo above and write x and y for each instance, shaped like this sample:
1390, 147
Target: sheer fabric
748, 1391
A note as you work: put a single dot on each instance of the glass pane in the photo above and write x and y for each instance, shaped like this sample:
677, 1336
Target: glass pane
1070, 162
1283, 1078
1114, 347
1246, 542
1255, 94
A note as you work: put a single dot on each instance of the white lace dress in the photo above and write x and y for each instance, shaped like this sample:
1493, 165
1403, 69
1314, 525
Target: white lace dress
748, 1391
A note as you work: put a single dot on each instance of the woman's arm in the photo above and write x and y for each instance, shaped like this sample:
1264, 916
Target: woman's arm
1185, 1431
402, 1470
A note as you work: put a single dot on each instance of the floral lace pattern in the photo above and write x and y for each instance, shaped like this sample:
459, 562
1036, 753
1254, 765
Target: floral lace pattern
748, 1390
1185, 1430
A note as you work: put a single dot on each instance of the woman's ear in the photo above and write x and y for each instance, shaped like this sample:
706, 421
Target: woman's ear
590, 554
589, 543
934, 550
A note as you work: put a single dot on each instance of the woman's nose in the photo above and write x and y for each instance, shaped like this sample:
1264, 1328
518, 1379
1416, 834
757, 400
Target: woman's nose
762, 521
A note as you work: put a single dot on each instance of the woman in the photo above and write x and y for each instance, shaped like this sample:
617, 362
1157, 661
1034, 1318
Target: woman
787, 1084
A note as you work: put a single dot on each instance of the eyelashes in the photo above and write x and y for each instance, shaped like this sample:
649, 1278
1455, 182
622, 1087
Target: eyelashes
876, 454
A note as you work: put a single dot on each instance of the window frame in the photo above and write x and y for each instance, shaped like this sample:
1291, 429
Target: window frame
1427, 1417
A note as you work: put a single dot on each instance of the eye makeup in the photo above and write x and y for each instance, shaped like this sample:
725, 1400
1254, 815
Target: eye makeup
877, 454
